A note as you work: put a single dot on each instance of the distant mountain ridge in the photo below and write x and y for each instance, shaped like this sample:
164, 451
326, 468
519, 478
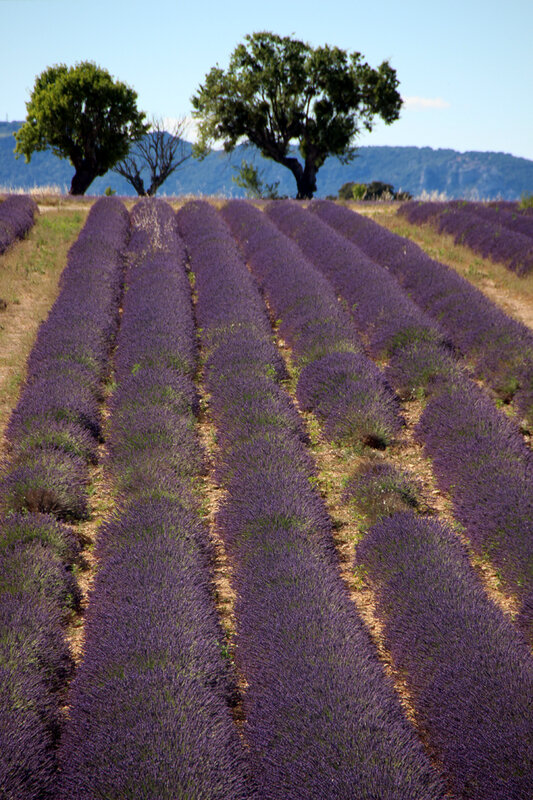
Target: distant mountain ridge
472, 175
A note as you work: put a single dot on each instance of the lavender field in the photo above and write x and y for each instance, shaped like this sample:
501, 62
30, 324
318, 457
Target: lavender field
314, 574
500, 231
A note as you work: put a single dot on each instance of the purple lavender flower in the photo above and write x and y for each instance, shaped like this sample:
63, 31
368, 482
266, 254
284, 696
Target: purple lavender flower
17, 216
320, 716
500, 348
468, 671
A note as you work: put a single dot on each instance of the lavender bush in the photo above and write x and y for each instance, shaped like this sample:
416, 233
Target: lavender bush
53, 430
150, 707
500, 348
337, 380
17, 217
378, 489
320, 716
469, 674
37, 595
349, 394
416, 368
481, 459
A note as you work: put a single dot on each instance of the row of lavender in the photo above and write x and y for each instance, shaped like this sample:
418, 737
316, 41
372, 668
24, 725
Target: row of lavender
52, 437
500, 348
321, 719
55, 428
150, 715
478, 655
17, 217
479, 454
336, 379
500, 214
155, 462
468, 672
498, 234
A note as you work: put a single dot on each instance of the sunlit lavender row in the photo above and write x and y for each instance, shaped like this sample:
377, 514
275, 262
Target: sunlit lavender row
495, 234
469, 673
499, 347
38, 593
54, 430
150, 705
468, 438
17, 217
321, 720
337, 380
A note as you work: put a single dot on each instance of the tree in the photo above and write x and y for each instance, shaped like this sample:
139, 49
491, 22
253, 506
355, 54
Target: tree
278, 90
249, 178
159, 154
82, 114
377, 190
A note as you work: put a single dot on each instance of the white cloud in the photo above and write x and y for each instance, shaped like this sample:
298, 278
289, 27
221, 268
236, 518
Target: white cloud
425, 103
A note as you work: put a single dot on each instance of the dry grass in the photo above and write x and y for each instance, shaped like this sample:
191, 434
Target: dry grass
29, 276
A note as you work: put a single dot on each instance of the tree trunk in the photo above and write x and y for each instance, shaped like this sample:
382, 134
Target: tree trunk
305, 178
138, 184
307, 183
82, 179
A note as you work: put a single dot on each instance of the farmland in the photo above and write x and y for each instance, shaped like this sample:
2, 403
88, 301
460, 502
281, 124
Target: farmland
266, 514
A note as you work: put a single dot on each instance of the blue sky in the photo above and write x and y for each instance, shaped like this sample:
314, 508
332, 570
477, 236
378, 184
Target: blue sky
465, 67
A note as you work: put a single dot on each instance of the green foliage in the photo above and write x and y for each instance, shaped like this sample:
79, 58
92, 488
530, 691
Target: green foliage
82, 114
278, 90
526, 201
346, 190
371, 191
378, 490
358, 191
248, 178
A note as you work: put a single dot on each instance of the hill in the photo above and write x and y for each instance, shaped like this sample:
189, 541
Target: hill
472, 175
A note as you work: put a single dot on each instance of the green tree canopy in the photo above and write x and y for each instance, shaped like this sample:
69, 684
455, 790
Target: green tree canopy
278, 90
82, 114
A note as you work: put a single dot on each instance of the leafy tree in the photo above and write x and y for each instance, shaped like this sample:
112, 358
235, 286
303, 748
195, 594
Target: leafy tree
526, 200
279, 90
377, 190
249, 178
158, 154
82, 114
